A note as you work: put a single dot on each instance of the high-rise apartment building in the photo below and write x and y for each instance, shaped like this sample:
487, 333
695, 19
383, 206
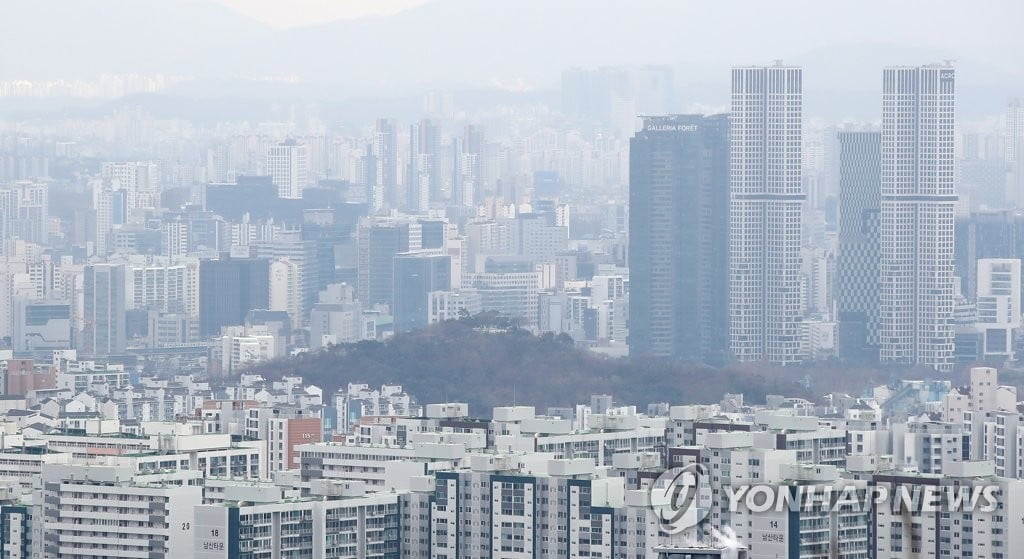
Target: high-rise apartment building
423, 180
468, 189
917, 206
1014, 142
139, 183
385, 146
24, 212
288, 167
286, 288
860, 190
166, 287
679, 238
109, 206
1014, 131
766, 206
115, 512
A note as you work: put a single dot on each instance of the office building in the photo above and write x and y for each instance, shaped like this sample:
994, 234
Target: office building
228, 289
170, 329
679, 238
453, 305
378, 245
104, 310
304, 270
288, 167
417, 275
40, 326
252, 195
766, 208
334, 323
918, 199
992, 234
999, 306
511, 294
538, 238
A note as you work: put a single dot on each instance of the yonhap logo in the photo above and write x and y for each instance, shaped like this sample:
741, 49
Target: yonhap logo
673, 497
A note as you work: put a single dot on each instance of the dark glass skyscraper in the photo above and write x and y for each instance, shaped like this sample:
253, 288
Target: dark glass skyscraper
860, 198
378, 245
416, 275
228, 289
679, 238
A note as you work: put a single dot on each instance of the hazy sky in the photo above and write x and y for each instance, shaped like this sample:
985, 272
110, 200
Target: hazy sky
517, 44
292, 13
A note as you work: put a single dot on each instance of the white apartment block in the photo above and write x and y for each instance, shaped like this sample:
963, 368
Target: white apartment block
955, 532
809, 528
140, 182
359, 401
766, 212
343, 520
918, 200
170, 287
82, 375
101, 511
373, 464
288, 167
238, 347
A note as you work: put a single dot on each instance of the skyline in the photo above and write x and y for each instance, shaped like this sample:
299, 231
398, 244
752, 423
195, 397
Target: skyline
511, 279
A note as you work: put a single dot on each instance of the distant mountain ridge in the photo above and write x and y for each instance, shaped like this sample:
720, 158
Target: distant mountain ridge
472, 44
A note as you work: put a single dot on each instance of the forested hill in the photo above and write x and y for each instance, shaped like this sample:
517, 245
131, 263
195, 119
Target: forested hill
466, 361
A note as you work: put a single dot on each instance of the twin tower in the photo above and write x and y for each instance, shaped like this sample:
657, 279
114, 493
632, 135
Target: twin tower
716, 218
